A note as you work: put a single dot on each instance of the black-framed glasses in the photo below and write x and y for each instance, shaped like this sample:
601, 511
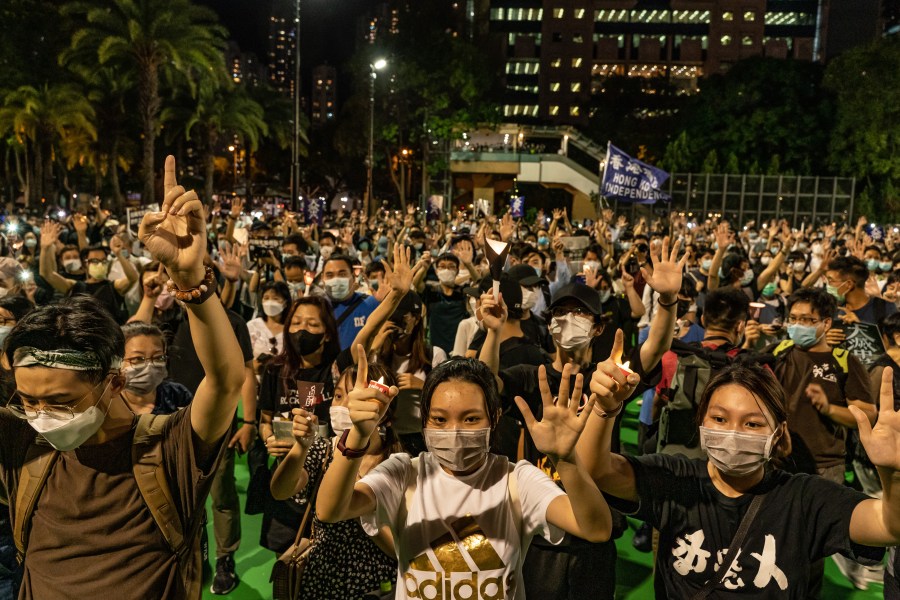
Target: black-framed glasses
29, 410
140, 361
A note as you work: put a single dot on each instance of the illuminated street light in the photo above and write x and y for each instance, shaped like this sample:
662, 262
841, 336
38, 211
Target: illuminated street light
379, 65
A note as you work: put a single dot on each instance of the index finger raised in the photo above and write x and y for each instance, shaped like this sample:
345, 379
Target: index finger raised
169, 180
362, 367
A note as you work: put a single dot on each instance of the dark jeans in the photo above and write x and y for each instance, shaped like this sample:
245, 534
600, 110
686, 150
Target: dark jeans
574, 572
891, 588
10, 572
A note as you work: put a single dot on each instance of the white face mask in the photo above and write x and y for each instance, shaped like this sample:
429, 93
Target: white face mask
65, 435
340, 419
272, 308
446, 276
592, 265
799, 266
529, 298
736, 454
571, 332
338, 288
71, 265
458, 449
604, 295
144, 379
765, 260
326, 251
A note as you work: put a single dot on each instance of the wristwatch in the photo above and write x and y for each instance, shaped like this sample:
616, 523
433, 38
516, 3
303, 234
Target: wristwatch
350, 452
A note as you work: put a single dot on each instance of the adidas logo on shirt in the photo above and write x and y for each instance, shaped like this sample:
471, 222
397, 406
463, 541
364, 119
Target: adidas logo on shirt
445, 571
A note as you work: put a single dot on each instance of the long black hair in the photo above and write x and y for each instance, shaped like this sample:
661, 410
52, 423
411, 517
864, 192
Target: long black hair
289, 360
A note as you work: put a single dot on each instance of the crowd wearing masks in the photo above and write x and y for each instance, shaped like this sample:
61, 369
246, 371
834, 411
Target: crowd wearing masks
432, 407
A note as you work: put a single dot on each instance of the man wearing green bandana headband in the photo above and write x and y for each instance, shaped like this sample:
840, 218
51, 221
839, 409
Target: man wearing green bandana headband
69, 455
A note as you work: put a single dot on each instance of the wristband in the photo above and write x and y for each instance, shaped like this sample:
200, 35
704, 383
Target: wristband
350, 452
608, 415
199, 294
254, 423
669, 305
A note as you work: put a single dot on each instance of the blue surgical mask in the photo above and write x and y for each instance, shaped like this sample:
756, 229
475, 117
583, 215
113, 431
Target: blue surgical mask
706, 264
872, 264
833, 290
886, 266
804, 336
4, 333
543, 241
769, 290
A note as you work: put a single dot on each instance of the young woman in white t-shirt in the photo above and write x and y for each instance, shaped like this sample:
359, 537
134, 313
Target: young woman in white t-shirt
470, 514
267, 330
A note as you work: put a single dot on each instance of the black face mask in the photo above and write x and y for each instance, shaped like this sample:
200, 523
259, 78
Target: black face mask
304, 342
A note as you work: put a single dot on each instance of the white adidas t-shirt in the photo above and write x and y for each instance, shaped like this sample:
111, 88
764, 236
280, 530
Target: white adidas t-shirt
460, 540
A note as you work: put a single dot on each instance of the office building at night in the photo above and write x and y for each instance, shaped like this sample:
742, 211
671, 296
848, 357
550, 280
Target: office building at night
323, 96
559, 52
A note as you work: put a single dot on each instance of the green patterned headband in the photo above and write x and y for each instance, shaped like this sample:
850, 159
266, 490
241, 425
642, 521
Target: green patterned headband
73, 360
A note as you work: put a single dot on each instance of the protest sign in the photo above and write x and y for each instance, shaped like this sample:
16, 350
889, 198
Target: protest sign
863, 340
517, 207
630, 180
134, 216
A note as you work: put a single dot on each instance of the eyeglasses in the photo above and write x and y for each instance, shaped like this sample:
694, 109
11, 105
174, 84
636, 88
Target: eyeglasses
562, 311
9, 321
28, 409
95, 261
140, 361
791, 320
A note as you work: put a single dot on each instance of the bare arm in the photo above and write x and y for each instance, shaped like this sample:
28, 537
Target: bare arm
124, 284
666, 281
47, 268
493, 315
291, 476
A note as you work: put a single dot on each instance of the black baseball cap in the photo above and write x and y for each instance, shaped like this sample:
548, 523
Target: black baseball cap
586, 296
411, 303
525, 275
509, 288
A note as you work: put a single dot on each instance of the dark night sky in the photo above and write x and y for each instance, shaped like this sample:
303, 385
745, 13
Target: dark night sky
328, 26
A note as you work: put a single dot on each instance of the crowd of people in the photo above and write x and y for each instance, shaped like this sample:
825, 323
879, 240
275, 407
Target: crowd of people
444, 398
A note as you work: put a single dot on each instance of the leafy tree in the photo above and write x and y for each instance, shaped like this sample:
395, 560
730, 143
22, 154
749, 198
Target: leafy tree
45, 120
760, 108
157, 40
212, 120
866, 138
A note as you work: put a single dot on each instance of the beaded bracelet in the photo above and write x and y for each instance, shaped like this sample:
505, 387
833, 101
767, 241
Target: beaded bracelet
197, 295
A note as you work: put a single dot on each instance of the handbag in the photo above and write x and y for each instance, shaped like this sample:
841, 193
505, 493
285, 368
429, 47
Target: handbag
736, 541
287, 573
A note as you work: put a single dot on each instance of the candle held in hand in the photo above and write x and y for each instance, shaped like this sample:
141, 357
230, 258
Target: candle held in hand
379, 385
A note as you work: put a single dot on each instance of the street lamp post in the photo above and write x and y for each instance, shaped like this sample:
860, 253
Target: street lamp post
233, 150
376, 66
295, 145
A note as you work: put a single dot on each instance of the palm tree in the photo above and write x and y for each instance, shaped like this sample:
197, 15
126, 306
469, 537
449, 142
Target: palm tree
156, 40
226, 111
45, 121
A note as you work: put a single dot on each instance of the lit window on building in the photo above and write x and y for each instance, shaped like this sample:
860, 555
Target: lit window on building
611, 16
575, 87
747, 40
556, 63
574, 111
554, 87
726, 40
559, 13
728, 16
578, 38
749, 16
576, 62
579, 13
554, 110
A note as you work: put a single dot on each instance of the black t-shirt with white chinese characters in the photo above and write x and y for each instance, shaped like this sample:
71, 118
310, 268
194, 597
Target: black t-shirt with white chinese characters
278, 395
803, 518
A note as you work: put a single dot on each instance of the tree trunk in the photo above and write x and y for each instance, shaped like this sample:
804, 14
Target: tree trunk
113, 173
209, 165
28, 191
149, 107
37, 176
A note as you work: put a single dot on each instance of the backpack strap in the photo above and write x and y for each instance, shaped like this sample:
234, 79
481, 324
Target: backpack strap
841, 356
39, 461
782, 347
147, 465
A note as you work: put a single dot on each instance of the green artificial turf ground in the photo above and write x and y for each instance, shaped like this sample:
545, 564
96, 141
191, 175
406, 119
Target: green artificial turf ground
633, 571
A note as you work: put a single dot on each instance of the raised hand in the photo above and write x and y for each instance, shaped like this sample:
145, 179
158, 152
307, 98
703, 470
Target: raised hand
609, 385
882, 442
153, 287
176, 236
367, 405
667, 270
400, 277
507, 227
464, 253
231, 261
591, 276
50, 234
560, 426
237, 206
724, 236
492, 312
80, 222
408, 381
116, 245
305, 426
